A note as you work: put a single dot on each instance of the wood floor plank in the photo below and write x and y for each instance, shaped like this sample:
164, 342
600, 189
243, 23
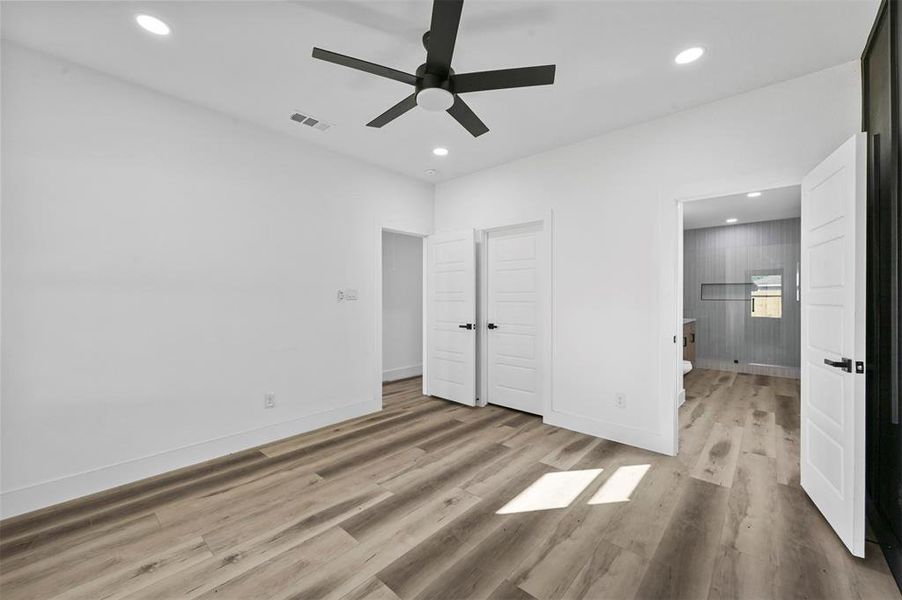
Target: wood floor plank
550, 569
302, 545
311, 515
760, 433
49, 578
718, 458
567, 455
404, 504
286, 570
372, 589
384, 545
611, 572
751, 508
96, 539
640, 523
738, 576
410, 573
485, 567
683, 563
140, 574
508, 591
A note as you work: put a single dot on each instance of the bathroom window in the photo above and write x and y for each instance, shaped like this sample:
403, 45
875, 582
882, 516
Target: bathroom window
766, 296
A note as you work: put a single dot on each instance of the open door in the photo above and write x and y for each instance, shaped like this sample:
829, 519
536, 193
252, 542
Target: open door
451, 316
833, 309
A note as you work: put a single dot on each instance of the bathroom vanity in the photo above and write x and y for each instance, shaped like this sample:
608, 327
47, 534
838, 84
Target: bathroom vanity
689, 340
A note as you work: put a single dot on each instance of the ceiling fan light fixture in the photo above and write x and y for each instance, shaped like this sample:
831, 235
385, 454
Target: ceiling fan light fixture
435, 99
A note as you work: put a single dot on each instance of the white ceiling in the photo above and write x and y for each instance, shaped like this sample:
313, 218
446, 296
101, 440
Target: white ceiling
771, 205
251, 60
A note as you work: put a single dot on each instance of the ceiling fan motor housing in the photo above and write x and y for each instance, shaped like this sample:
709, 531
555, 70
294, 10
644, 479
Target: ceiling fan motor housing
436, 86
433, 91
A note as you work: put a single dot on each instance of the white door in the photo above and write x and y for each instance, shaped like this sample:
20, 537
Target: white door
513, 319
451, 316
832, 298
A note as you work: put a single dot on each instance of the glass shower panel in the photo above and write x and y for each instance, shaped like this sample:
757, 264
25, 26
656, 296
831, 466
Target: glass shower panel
771, 313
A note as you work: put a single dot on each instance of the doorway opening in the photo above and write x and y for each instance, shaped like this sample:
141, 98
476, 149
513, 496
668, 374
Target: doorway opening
762, 303
740, 283
402, 306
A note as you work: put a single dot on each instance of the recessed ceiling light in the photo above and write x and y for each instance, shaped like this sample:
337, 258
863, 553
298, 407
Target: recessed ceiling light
430, 172
440, 151
689, 55
152, 24
732, 220
753, 194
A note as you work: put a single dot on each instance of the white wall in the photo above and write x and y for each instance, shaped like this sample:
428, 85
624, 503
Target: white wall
615, 299
402, 306
163, 268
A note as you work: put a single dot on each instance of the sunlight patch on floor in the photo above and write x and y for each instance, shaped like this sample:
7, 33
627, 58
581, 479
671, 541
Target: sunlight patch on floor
551, 490
620, 485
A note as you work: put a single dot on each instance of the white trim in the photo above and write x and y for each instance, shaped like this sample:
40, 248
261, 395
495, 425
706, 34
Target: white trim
378, 374
631, 436
545, 239
401, 373
54, 491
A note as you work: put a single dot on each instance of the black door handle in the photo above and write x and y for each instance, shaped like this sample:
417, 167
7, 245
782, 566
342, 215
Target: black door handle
845, 364
467, 326
492, 326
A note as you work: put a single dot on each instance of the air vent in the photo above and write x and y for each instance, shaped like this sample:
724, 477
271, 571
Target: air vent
310, 121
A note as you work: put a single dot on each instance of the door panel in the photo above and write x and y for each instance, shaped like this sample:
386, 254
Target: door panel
450, 307
832, 293
513, 309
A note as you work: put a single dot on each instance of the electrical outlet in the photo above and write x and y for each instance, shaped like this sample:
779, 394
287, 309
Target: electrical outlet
269, 401
350, 294
620, 399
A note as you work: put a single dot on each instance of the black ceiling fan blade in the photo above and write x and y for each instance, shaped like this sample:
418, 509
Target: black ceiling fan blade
442, 36
394, 112
362, 65
502, 79
464, 115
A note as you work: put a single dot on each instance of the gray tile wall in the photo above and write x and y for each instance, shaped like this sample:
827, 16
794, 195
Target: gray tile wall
725, 331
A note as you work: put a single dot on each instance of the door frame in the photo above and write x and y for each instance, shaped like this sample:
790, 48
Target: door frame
673, 346
377, 302
545, 267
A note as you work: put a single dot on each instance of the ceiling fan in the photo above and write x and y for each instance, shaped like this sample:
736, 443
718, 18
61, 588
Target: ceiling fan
437, 86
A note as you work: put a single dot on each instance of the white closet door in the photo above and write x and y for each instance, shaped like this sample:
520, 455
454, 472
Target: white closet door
833, 306
451, 316
513, 319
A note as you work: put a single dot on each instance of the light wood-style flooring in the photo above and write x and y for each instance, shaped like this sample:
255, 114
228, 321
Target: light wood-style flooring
405, 504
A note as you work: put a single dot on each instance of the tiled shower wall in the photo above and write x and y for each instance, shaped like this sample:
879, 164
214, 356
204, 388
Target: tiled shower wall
726, 334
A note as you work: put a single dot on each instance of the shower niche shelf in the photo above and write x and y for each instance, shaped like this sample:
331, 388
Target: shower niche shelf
730, 292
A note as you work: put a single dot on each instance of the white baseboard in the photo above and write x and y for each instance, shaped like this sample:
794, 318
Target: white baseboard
47, 493
641, 438
681, 398
402, 373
